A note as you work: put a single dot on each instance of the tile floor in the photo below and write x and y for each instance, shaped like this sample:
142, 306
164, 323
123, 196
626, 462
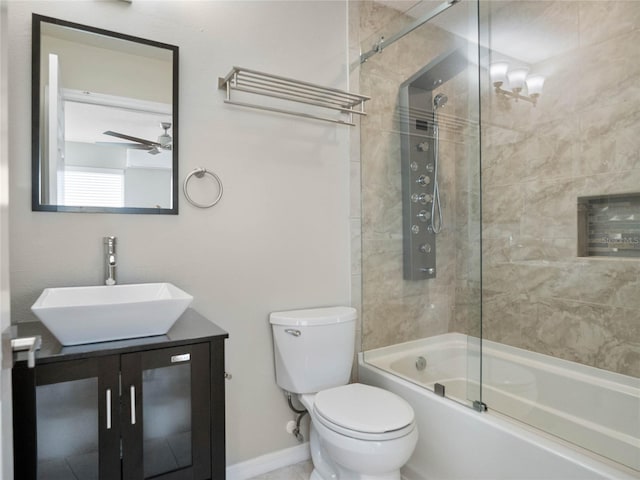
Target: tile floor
299, 471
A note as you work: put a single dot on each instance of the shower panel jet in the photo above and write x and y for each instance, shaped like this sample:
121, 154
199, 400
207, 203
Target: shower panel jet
421, 204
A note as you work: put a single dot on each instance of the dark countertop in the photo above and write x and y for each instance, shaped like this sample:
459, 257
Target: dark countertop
190, 328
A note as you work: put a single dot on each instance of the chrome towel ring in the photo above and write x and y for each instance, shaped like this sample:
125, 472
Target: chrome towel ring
199, 173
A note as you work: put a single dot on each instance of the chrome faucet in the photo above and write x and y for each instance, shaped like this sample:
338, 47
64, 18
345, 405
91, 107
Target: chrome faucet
110, 260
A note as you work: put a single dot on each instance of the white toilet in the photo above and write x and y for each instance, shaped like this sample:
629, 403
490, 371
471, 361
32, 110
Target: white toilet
358, 432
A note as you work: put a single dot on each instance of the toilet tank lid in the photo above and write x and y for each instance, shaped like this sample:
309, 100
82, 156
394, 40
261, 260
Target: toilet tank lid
314, 316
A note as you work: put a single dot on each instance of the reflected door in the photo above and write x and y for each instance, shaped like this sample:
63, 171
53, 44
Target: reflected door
166, 411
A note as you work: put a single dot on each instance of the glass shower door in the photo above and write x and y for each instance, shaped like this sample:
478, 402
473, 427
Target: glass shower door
420, 189
560, 179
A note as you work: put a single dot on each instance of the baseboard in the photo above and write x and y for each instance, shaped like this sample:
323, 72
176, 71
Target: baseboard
269, 462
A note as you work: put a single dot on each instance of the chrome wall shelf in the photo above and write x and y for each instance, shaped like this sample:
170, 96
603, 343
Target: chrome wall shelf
326, 104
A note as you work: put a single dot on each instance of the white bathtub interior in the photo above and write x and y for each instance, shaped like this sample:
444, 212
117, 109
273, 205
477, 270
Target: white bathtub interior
593, 408
456, 442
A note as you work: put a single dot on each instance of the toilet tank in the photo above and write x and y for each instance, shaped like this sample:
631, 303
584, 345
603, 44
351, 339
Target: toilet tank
313, 348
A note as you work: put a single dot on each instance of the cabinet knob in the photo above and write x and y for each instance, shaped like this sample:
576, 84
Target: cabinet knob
228, 376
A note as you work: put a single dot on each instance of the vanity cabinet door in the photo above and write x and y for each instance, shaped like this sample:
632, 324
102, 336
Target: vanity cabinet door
166, 412
66, 420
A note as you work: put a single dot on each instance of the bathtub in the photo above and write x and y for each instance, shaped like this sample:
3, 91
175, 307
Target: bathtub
565, 402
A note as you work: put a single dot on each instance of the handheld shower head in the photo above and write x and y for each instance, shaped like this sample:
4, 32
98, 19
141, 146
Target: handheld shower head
440, 101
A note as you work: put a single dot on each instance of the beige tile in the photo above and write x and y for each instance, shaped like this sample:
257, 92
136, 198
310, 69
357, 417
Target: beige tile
502, 210
604, 19
613, 63
550, 208
608, 137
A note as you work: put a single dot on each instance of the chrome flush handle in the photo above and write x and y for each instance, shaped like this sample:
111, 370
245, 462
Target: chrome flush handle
291, 331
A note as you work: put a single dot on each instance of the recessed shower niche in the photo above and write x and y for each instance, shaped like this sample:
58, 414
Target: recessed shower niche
420, 107
609, 225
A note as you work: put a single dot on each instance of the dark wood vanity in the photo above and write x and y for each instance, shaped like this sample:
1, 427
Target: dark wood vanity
150, 407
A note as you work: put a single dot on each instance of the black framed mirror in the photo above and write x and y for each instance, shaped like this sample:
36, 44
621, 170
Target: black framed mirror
104, 121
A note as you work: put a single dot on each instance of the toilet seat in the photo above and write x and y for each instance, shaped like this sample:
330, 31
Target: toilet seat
364, 412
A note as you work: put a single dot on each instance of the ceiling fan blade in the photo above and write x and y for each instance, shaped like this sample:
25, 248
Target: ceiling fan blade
135, 146
132, 139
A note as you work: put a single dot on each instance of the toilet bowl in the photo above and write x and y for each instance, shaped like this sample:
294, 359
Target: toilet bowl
358, 432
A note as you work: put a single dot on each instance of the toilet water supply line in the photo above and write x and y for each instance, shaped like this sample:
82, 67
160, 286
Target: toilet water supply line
300, 413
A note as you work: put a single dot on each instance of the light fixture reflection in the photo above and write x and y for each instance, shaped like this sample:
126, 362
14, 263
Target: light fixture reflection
498, 73
516, 78
510, 83
535, 84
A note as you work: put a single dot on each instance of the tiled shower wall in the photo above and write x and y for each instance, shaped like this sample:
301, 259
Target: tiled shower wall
581, 139
395, 310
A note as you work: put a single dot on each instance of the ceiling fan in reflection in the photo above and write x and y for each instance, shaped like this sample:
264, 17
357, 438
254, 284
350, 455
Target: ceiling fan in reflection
164, 141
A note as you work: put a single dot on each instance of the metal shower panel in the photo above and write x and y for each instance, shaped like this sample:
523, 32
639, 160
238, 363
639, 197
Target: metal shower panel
419, 241
417, 157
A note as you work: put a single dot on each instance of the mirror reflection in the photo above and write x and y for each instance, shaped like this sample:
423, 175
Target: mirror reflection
105, 139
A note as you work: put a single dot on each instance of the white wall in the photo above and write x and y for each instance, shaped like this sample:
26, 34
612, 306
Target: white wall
279, 238
6, 460
85, 67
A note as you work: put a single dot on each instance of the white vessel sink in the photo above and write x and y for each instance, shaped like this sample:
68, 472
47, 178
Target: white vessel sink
77, 315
